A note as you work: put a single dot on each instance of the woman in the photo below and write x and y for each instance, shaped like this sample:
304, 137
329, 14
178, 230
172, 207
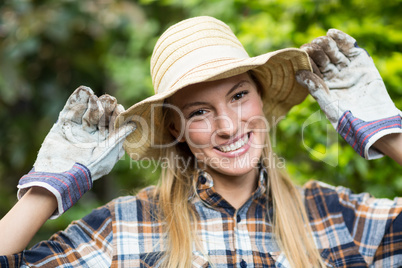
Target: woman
221, 201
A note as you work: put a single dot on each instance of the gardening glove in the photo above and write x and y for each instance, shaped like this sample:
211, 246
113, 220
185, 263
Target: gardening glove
81, 147
351, 92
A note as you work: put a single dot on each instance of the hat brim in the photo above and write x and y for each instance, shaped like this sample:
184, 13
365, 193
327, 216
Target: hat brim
275, 72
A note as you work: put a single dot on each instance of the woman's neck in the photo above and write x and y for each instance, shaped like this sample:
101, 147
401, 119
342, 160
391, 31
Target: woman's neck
236, 190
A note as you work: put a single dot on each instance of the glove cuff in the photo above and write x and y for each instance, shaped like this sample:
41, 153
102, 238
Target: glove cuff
361, 135
67, 187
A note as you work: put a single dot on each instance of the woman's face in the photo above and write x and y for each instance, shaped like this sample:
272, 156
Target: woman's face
223, 124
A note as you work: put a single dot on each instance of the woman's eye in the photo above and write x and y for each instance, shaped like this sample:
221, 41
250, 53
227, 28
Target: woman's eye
240, 95
197, 113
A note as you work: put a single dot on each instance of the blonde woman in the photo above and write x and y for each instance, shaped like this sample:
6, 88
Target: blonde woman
221, 201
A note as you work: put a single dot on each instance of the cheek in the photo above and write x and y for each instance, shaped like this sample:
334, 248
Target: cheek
252, 113
198, 132
256, 121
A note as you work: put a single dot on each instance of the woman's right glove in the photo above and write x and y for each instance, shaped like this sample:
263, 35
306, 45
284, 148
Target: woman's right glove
351, 92
81, 147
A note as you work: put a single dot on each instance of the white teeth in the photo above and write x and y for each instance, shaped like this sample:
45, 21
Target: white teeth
234, 146
238, 144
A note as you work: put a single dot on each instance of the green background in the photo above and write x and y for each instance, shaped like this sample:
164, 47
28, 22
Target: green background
49, 48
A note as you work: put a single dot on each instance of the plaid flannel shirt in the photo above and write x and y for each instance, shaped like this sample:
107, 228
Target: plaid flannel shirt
350, 230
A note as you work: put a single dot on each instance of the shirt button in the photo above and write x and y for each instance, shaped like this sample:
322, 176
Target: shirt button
238, 218
202, 179
243, 264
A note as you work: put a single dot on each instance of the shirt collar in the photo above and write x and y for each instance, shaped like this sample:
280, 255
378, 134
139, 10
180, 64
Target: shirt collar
204, 187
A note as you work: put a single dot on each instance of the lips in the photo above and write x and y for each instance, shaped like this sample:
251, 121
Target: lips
235, 145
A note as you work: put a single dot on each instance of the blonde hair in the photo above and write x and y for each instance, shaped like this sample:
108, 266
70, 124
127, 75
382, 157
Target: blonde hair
290, 221
176, 185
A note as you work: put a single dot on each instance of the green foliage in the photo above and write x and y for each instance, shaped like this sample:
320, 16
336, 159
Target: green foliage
50, 47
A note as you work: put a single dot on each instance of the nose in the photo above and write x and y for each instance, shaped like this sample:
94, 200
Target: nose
226, 122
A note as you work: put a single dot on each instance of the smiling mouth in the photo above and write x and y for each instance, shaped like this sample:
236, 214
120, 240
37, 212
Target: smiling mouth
235, 145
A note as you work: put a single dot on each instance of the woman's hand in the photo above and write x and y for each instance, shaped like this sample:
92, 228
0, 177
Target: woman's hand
351, 92
81, 147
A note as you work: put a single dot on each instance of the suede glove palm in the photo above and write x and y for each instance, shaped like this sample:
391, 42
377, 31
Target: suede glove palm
81, 147
351, 92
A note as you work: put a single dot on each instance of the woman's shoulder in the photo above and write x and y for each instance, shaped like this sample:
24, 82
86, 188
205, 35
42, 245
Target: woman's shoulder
340, 218
313, 188
139, 207
319, 188
144, 195
339, 198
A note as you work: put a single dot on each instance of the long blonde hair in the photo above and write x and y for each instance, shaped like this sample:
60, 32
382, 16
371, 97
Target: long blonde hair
290, 222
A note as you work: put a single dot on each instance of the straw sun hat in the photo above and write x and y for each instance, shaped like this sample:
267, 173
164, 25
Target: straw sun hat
204, 49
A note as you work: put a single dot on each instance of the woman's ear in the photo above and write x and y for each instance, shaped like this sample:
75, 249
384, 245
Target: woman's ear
176, 133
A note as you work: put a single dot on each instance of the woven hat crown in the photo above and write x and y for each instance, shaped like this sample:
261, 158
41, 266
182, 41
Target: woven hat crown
190, 44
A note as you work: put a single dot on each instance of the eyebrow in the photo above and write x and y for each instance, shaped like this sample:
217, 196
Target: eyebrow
197, 103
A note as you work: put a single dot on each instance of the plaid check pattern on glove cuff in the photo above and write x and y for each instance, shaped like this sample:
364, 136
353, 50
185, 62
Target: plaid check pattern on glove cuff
67, 187
361, 135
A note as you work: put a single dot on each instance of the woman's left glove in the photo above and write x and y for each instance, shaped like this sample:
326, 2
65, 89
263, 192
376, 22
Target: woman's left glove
81, 147
351, 92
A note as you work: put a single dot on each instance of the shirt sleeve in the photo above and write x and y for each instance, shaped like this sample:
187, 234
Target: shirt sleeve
85, 243
375, 225
389, 253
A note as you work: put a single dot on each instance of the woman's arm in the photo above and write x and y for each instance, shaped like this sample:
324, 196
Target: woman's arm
391, 145
21, 223
81, 147
85, 243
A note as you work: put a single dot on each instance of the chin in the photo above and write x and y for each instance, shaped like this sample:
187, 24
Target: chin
235, 167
